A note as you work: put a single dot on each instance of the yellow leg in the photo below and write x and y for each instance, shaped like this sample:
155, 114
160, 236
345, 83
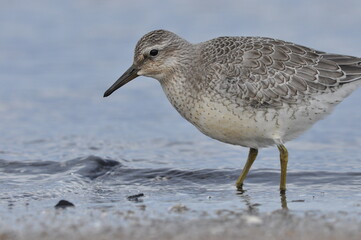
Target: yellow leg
284, 161
251, 157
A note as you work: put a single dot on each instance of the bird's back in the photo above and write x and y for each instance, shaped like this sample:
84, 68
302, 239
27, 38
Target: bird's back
261, 72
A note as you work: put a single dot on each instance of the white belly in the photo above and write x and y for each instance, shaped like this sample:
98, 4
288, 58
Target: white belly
254, 128
239, 127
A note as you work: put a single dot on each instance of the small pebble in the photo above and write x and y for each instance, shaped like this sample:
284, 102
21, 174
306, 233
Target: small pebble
135, 198
179, 208
64, 204
253, 220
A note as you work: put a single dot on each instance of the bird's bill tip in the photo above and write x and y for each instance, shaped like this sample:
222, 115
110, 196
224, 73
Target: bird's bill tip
129, 75
107, 93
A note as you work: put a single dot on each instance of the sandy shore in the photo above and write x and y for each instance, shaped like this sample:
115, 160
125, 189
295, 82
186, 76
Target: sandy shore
105, 224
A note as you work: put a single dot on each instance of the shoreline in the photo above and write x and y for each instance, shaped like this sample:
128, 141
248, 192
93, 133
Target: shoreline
109, 224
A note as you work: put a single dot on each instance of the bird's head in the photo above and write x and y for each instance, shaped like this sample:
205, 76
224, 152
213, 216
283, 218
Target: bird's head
157, 55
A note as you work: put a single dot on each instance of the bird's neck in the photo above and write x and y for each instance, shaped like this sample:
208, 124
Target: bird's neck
181, 89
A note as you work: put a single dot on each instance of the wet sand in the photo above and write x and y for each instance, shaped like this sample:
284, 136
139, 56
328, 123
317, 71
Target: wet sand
224, 224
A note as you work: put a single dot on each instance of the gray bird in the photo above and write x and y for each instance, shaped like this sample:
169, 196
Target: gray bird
249, 91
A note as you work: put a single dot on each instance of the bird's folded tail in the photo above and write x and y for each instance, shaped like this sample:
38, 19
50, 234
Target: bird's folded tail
348, 64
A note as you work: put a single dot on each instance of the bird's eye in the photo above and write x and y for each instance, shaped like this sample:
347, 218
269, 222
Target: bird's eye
153, 52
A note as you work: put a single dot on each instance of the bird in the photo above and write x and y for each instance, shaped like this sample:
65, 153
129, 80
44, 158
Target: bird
255, 92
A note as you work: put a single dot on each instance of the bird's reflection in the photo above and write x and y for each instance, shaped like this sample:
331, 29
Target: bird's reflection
283, 201
252, 208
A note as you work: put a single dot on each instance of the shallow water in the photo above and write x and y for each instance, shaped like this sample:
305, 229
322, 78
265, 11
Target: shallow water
61, 140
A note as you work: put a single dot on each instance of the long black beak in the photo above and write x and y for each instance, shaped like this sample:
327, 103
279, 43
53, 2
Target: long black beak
129, 75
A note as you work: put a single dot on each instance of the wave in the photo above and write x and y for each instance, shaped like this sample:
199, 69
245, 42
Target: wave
97, 168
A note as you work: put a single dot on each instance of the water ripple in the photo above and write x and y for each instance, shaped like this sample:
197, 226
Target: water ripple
107, 170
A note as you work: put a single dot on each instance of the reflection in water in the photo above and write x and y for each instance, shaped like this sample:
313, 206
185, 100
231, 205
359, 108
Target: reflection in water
283, 201
252, 208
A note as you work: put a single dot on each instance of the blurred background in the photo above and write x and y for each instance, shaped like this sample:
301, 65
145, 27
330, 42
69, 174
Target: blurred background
58, 57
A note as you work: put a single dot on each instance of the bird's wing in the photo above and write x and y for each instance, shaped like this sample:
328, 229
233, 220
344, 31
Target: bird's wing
262, 71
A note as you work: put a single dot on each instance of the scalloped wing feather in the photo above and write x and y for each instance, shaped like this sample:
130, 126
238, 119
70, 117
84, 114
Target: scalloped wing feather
269, 72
